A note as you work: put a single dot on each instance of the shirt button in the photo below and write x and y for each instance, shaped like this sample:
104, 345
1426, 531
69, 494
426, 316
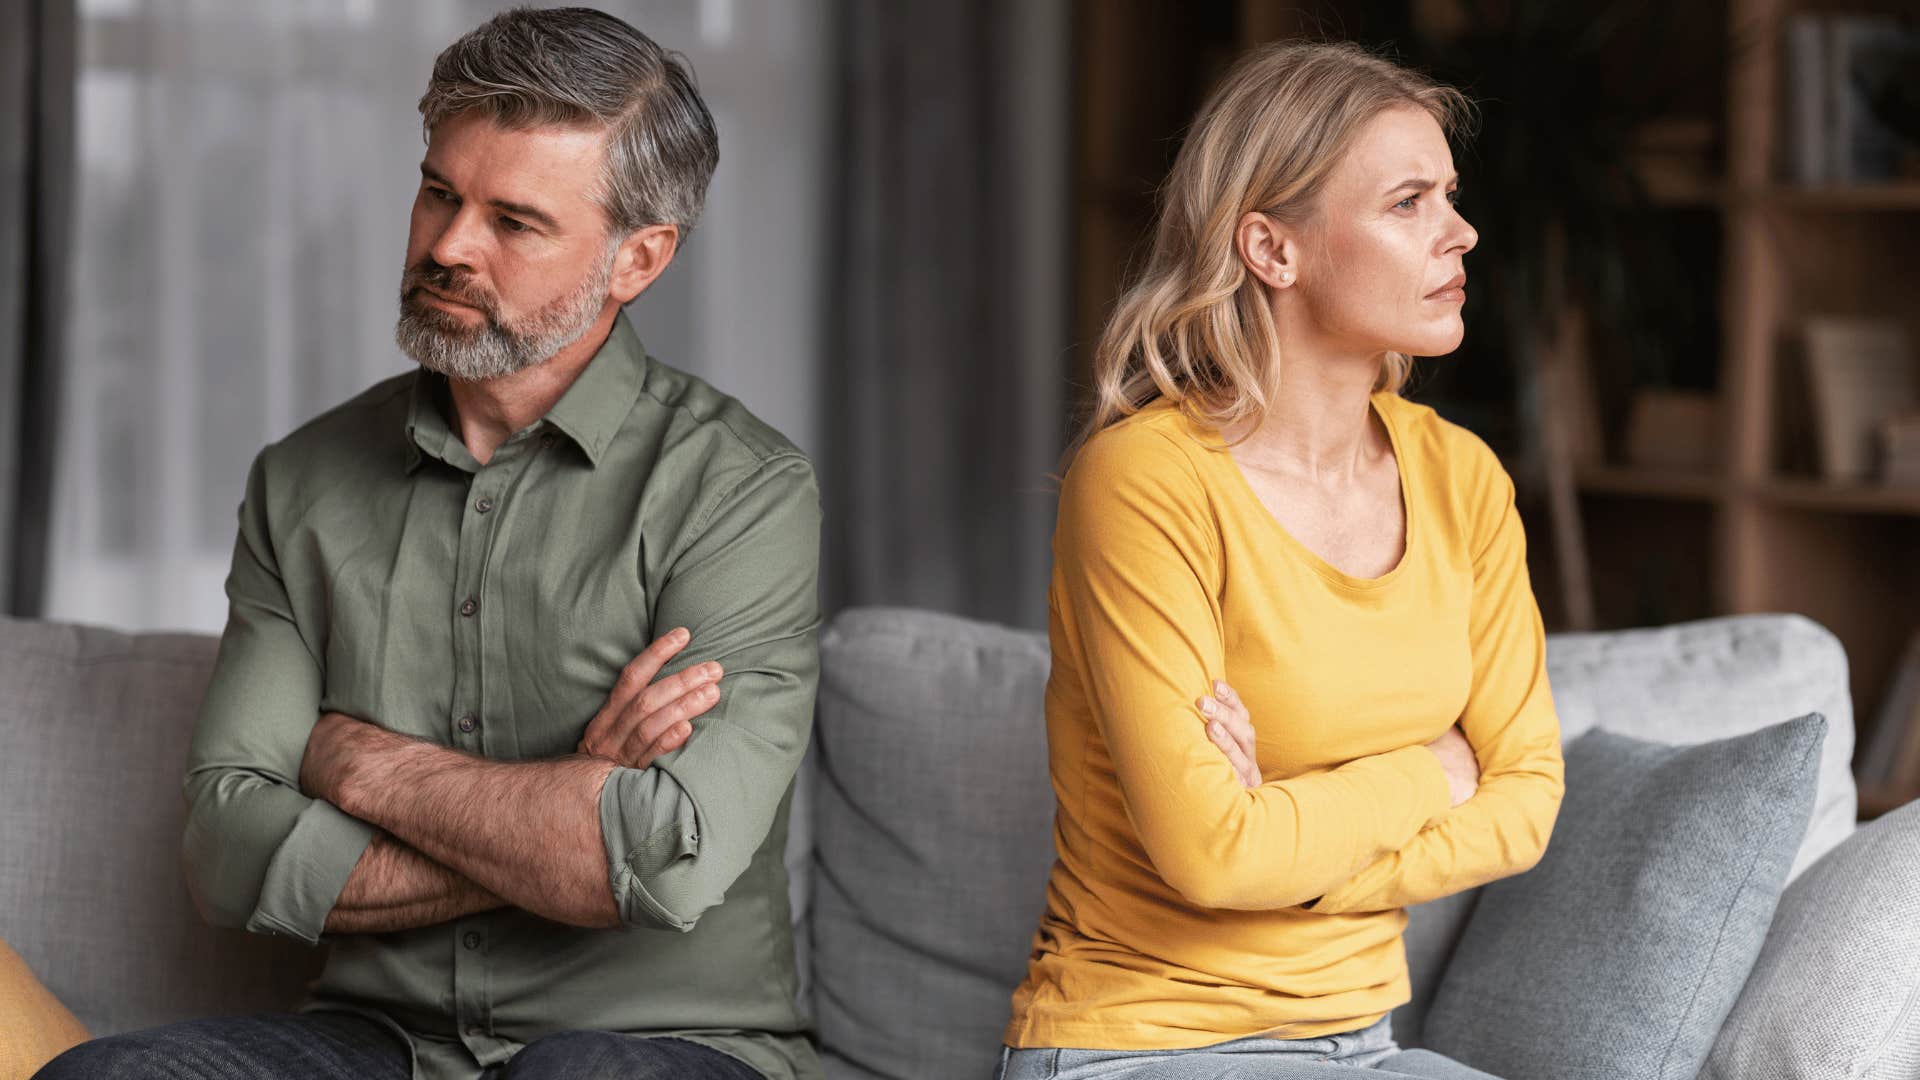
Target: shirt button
547, 439
483, 504
476, 1032
471, 941
469, 606
468, 723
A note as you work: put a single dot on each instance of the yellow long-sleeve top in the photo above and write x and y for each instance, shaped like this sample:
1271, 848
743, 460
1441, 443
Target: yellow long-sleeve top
1175, 912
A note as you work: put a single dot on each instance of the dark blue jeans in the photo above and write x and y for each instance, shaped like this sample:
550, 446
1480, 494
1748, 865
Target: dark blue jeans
336, 1046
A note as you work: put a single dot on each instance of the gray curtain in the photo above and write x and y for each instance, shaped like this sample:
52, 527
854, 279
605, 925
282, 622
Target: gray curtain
36, 151
243, 173
945, 407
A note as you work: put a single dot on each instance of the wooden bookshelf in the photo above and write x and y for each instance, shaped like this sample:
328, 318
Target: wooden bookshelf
1862, 197
1758, 531
1841, 553
1778, 537
1845, 498
1652, 483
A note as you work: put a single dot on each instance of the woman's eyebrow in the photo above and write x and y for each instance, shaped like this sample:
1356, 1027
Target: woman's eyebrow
1418, 183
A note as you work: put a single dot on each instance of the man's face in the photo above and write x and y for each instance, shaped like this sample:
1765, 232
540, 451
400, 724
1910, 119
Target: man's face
508, 256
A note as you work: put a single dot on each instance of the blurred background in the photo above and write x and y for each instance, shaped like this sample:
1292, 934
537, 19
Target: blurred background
1694, 345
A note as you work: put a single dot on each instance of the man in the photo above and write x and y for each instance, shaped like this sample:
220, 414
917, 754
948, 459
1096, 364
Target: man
437, 737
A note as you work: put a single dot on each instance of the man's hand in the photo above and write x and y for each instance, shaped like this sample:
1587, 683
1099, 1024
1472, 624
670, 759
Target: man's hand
1231, 728
1457, 757
329, 760
643, 719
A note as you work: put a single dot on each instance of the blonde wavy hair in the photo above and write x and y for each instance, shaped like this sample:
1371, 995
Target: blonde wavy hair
1194, 326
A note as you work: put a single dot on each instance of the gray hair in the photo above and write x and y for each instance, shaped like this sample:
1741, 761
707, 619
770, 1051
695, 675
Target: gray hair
529, 67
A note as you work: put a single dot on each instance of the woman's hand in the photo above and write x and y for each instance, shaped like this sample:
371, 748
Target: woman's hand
1231, 729
1456, 756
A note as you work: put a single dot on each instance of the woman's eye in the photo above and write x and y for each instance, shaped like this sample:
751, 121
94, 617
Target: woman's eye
1453, 199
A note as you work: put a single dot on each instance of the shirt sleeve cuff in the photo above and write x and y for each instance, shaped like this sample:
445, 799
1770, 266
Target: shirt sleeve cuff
308, 872
1427, 780
649, 823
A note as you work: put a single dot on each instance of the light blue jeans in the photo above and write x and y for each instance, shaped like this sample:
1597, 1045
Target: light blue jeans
1323, 1058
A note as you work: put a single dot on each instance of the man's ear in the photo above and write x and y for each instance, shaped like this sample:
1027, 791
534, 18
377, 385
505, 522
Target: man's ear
1269, 252
641, 257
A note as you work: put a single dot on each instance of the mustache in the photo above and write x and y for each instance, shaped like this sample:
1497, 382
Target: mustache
451, 282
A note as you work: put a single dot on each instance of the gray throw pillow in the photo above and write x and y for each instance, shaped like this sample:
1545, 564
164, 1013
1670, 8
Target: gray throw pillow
1836, 992
1621, 953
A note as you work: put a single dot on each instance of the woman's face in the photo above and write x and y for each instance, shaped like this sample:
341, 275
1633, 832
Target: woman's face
1380, 262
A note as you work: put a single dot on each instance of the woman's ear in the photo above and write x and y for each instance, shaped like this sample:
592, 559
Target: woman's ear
1268, 252
641, 257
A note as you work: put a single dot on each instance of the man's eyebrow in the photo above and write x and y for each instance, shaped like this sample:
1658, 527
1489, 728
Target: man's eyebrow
1418, 183
541, 217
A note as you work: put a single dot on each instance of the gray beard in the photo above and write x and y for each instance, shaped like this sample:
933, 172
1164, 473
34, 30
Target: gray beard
439, 341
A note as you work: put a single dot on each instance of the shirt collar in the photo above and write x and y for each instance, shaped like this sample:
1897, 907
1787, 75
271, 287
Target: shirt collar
589, 412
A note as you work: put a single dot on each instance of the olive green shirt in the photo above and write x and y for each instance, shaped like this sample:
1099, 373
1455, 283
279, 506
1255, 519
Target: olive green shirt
383, 572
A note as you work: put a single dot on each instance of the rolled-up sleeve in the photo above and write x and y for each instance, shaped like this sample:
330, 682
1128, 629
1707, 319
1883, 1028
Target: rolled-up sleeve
680, 833
258, 853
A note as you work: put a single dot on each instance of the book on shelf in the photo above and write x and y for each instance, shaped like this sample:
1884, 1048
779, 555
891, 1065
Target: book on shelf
1900, 444
1852, 99
1860, 374
1671, 429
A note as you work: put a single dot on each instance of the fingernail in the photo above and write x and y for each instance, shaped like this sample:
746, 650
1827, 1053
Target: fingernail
1219, 687
680, 633
1216, 731
1207, 706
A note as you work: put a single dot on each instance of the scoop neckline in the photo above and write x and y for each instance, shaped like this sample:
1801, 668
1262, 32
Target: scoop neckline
1321, 566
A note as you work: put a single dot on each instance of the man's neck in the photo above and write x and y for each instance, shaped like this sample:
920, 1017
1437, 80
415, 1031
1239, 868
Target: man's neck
487, 411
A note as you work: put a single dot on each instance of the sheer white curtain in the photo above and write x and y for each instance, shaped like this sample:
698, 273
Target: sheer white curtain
245, 172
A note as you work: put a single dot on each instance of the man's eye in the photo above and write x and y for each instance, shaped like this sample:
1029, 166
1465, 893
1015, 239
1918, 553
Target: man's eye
514, 224
440, 193
1407, 202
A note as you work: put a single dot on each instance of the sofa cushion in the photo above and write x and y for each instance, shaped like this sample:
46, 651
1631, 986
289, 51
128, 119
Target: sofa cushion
932, 843
94, 726
1685, 683
1711, 679
1836, 991
1620, 954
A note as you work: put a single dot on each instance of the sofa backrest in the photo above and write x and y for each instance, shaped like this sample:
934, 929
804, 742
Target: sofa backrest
921, 832
933, 809
94, 727
933, 833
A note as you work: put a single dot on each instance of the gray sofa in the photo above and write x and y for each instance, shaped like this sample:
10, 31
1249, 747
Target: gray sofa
921, 836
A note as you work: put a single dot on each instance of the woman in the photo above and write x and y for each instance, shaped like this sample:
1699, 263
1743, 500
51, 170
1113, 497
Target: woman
1256, 509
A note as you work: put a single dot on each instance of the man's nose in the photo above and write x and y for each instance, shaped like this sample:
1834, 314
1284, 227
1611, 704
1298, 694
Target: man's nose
460, 242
